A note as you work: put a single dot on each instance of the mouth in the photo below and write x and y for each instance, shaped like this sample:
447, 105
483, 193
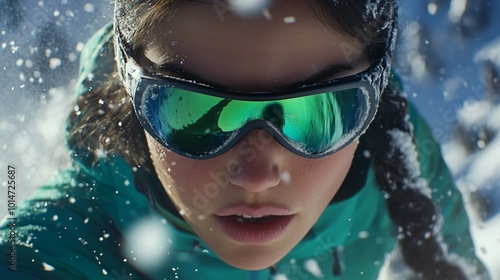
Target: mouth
254, 225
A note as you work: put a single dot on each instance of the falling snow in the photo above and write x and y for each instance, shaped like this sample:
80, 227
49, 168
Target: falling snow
313, 268
147, 243
290, 19
47, 267
248, 7
285, 177
455, 88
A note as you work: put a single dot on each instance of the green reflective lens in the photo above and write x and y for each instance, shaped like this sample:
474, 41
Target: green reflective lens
202, 124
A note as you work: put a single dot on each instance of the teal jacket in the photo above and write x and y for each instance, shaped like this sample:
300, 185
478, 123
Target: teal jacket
74, 226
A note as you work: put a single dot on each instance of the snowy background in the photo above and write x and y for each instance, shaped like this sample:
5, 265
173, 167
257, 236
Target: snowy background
448, 56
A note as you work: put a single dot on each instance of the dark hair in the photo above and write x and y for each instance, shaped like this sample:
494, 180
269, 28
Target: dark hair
414, 213
106, 121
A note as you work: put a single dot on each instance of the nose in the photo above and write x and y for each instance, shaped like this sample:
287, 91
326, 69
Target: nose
258, 162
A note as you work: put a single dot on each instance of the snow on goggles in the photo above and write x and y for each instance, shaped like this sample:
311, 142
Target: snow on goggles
199, 121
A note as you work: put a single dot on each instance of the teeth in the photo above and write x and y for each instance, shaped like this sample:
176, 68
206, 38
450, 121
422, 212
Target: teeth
246, 218
251, 217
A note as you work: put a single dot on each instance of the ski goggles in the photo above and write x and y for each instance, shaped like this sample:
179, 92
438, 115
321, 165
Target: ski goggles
200, 121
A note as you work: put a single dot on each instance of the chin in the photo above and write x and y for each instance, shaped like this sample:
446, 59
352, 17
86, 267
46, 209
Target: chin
254, 257
254, 263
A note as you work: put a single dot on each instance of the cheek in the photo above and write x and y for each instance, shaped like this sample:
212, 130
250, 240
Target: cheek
320, 179
175, 172
185, 180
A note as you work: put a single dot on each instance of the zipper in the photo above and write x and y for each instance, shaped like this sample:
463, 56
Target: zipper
337, 268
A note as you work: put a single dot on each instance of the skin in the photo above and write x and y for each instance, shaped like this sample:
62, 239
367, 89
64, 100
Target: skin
251, 54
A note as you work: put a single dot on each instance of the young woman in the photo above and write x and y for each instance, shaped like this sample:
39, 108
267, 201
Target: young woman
271, 145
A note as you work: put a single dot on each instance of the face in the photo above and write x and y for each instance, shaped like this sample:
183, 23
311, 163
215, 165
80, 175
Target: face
257, 177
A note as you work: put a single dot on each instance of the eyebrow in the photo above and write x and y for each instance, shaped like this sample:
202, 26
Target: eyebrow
179, 73
323, 75
327, 73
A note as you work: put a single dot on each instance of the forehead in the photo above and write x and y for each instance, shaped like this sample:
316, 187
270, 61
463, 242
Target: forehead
223, 22
286, 42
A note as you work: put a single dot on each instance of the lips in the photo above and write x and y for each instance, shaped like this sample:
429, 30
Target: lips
254, 224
